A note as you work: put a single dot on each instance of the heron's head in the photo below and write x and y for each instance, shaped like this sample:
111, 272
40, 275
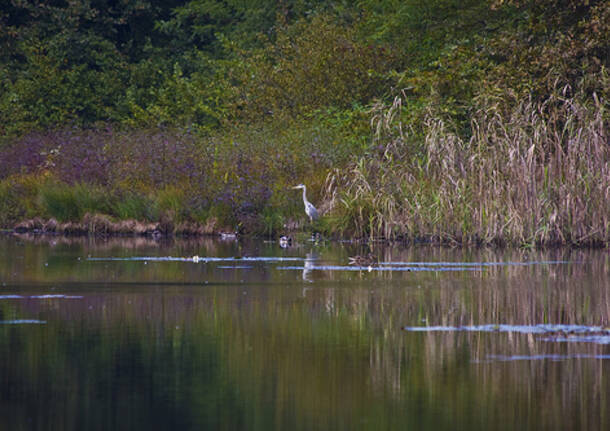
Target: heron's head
300, 186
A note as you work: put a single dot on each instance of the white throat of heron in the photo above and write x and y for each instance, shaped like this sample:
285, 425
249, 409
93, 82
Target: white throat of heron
304, 195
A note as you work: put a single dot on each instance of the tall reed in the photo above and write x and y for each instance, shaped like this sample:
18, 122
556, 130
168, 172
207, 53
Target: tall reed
531, 173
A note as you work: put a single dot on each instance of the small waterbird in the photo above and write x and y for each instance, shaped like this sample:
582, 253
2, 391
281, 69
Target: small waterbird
285, 241
228, 236
369, 261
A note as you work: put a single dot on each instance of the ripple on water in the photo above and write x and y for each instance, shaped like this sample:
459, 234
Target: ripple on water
383, 266
551, 357
595, 339
47, 296
197, 259
22, 322
483, 264
553, 333
234, 267
524, 329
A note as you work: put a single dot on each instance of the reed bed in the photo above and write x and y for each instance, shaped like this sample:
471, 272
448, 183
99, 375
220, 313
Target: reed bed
532, 173
528, 172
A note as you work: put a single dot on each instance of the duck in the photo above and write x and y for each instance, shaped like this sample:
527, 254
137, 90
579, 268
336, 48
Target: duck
228, 236
368, 260
285, 241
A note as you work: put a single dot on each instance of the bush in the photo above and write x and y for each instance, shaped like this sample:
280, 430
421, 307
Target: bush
313, 64
58, 90
196, 100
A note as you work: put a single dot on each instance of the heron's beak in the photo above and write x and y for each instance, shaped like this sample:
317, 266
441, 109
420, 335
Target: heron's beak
296, 187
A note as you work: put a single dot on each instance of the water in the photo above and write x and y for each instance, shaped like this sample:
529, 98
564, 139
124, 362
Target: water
137, 334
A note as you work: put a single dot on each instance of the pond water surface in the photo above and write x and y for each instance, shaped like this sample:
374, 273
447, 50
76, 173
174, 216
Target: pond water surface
206, 334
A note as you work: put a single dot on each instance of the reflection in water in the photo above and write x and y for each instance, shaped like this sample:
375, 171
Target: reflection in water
180, 344
308, 265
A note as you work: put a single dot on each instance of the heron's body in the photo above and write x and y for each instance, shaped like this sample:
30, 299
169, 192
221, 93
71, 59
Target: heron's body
310, 210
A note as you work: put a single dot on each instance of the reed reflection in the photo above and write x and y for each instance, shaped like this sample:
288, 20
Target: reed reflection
267, 352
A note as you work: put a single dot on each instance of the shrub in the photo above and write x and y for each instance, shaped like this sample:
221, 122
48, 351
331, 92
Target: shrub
313, 64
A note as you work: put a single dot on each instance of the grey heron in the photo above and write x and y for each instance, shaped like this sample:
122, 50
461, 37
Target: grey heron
310, 210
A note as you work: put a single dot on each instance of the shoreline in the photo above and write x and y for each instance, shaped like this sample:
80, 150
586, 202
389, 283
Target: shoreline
101, 226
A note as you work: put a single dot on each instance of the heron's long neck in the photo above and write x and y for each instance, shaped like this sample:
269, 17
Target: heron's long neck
304, 196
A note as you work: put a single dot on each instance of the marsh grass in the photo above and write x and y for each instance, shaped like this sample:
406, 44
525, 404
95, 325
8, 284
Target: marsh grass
532, 173
238, 181
528, 172
134, 206
71, 202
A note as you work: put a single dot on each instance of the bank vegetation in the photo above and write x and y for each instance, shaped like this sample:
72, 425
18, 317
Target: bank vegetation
473, 121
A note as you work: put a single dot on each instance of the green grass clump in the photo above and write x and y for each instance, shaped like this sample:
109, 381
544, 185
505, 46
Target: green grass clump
171, 202
71, 202
134, 206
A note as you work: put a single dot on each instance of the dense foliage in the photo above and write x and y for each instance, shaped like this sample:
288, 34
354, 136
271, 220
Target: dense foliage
213, 108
